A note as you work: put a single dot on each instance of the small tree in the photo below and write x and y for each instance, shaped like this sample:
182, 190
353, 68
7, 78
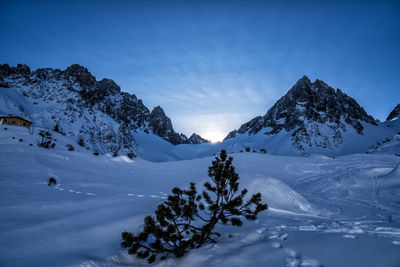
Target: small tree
131, 155
187, 219
56, 128
81, 142
52, 181
47, 140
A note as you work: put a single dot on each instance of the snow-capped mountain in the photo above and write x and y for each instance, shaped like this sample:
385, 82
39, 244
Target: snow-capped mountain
312, 118
394, 114
96, 114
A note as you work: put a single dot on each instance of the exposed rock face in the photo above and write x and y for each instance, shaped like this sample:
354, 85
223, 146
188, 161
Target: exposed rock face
20, 70
197, 139
395, 113
80, 97
161, 125
310, 109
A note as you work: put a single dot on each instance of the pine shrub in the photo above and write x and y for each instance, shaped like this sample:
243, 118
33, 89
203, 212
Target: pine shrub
47, 140
187, 219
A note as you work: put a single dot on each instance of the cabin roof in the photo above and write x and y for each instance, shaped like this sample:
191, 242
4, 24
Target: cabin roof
17, 117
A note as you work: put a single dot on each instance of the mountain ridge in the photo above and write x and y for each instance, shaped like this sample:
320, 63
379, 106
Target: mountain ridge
311, 118
78, 92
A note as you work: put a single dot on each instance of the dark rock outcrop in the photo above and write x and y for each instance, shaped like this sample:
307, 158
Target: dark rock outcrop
395, 113
161, 125
197, 139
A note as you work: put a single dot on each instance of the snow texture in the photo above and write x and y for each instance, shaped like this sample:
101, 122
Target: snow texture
323, 211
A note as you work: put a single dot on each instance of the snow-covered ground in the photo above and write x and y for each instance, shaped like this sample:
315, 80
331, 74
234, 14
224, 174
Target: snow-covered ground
323, 211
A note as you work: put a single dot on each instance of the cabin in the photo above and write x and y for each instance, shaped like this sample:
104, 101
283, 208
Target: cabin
15, 120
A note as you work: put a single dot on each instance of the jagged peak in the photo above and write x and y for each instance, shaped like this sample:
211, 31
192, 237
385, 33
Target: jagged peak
197, 139
109, 85
304, 102
158, 111
20, 69
76, 68
319, 84
305, 77
103, 95
81, 75
301, 87
303, 83
194, 135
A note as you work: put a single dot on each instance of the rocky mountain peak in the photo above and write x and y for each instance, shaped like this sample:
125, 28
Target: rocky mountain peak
395, 113
301, 89
309, 103
81, 75
157, 112
161, 125
304, 82
321, 87
197, 139
108, 85
19, 70
80, 97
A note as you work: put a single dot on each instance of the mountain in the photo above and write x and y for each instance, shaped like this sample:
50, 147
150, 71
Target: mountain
311, 118
96, 114
197, 139
394, 114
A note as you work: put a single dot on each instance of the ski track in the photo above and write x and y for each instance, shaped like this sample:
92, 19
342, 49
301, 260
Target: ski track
317, 185
336, 223
59, 187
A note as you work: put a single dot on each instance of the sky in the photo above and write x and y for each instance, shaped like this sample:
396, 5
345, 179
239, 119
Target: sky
214, 65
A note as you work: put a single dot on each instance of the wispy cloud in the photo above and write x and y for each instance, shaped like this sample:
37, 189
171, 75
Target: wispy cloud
214, 59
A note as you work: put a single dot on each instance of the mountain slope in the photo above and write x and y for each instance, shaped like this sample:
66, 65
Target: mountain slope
394, 114
94, 113
311, 118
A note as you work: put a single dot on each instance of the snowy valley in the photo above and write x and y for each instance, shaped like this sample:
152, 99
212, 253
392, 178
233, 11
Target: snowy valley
329, 172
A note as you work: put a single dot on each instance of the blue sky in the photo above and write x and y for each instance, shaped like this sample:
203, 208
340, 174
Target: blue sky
214, 65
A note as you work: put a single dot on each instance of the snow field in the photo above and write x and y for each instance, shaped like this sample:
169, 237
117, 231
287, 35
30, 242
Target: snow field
322, 211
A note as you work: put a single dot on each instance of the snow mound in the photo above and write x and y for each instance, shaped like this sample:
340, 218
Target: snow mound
392, 179
282, 198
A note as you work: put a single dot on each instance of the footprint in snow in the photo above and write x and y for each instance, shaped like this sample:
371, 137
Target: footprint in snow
291, 253
349, 236
294, 258
140, 195
283, 236
276, 245
273, 234
261, 230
